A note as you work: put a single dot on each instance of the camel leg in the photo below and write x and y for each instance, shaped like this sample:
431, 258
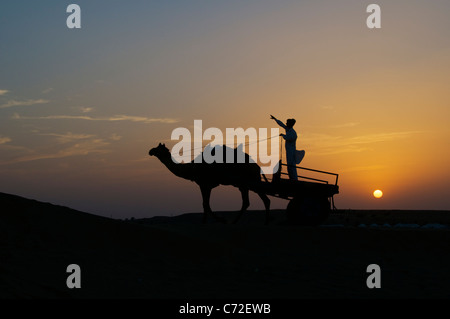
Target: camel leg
206, 195
266, 202
245, 204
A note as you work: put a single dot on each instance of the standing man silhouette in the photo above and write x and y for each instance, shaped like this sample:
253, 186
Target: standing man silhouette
293, 156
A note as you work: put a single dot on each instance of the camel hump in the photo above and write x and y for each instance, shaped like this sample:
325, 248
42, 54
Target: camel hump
238, 154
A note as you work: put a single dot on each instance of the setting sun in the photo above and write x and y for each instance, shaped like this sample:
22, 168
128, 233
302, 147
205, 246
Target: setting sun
377, 194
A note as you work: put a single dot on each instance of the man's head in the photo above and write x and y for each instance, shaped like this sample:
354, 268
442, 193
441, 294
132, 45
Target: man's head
290, 122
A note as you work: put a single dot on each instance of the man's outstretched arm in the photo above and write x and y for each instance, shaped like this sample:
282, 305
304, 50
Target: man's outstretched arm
278, 122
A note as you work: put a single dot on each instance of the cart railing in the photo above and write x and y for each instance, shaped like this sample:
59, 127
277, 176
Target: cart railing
313, 170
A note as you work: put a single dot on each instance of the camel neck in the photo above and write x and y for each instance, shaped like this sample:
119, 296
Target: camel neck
178, 169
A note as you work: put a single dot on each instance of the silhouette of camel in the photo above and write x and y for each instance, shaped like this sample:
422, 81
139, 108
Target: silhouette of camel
245, 176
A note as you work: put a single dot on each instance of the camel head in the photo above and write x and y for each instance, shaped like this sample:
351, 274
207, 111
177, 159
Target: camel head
160, 151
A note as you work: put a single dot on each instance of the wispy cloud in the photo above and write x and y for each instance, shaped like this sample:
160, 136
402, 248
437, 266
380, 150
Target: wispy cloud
56, 145
86, 109
333, 126
139, 119
115, 118
79, 148
3, 92
327, 144
115, 137
82, 148
68, 137
381, 137
47, 90
4, 139
13, 103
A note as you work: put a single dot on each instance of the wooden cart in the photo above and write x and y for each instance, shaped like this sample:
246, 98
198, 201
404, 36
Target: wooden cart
310, 199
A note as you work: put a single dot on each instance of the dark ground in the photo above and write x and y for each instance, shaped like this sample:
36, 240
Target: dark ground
180, 258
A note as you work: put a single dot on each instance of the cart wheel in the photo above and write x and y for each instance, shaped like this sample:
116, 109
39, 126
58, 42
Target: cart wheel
308, 210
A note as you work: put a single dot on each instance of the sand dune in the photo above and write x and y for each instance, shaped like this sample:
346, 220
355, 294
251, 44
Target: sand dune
178, 257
